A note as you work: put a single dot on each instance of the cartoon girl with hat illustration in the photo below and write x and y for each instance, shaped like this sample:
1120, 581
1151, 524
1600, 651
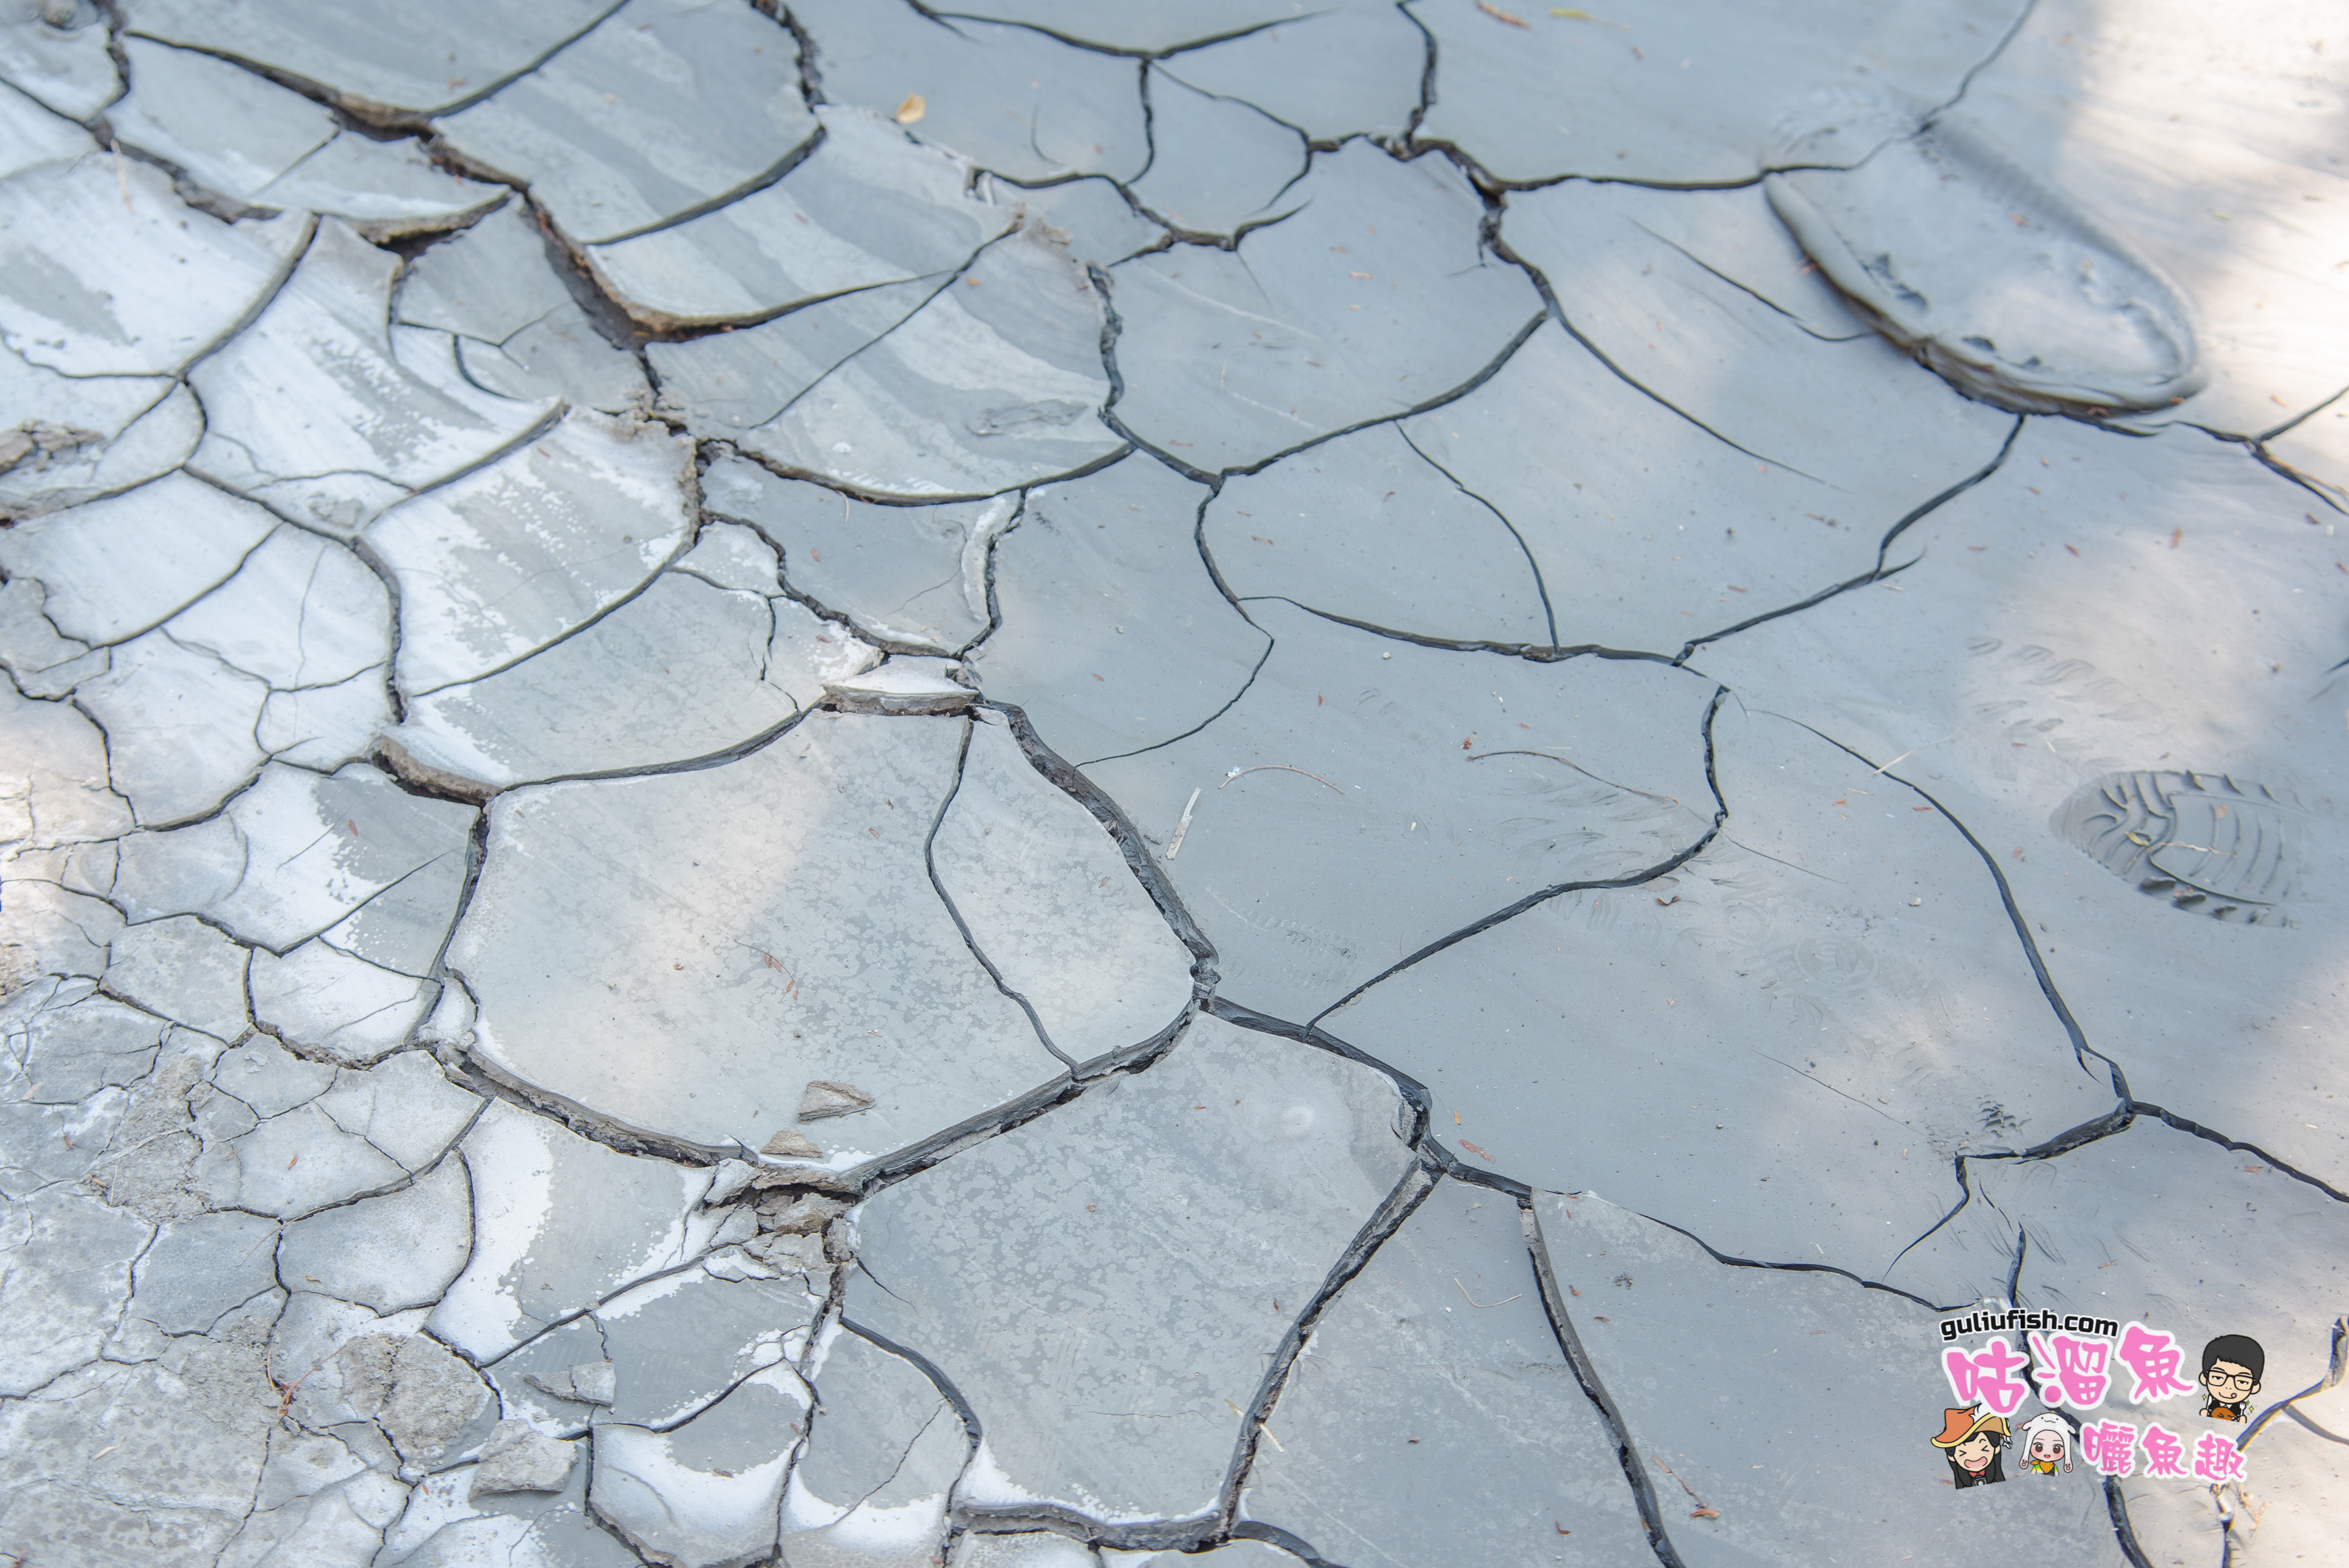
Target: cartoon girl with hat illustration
2046, 1444
1973, 1441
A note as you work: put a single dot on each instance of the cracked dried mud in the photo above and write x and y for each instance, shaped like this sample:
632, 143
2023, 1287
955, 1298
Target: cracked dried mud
869, 784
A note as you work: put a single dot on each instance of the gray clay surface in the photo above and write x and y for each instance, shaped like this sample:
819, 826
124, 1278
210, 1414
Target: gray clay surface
1113, 783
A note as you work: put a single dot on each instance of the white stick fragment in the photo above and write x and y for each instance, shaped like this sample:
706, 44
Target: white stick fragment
1183, 827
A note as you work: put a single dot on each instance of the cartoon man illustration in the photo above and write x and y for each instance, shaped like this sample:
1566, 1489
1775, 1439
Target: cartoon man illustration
1974, 1441
2046, 1444
2231, 1366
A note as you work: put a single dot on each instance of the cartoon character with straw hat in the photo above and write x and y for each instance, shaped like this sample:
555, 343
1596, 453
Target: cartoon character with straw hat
1973, 1441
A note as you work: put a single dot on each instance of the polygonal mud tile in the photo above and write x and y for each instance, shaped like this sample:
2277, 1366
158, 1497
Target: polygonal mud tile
1354, 70
337, 1526
323, 411
732, 555
269, 1078
1834, 979
385, 1254
1663, 534
1688, 99
156, 1462
329, 1002
234, 132
2216, 205
1322, 845
1707, 1366
722, 384
1431, 1416
1373, 300
44, 1147
432, 1407
202, 1268
52, 935
2189, 1237
322, 1142
1017, 102
561, 1224
558, 1381
78, 1043
1118, 1258
183, 969
1219, 165
324, 727
179, 728
868, 207
298, 1162
679, 1343
910, 577
883, 1450
296, 856
1665, 315
380, 61
117, 567
301, 611
84, 238
56, 788
707, 1494
682, 670
663, 108
64, 1277
1343, 529
520, 330
993, 383
58, 53
1115, 636
1049, 898
509, 558
1092, 217
41, 663
2115, 614
88, 436
835, 962
449, 1525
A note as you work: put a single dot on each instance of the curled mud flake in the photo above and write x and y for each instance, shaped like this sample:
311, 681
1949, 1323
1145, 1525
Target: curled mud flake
825, 1097
2208, 843
790, 1145
2005, 288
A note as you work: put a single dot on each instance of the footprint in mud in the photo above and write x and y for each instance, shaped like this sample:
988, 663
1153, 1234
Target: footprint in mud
2004, 287
2204, 842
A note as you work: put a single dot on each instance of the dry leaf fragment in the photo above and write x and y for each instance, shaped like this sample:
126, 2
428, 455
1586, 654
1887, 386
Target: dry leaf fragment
914, 107
1498, 14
